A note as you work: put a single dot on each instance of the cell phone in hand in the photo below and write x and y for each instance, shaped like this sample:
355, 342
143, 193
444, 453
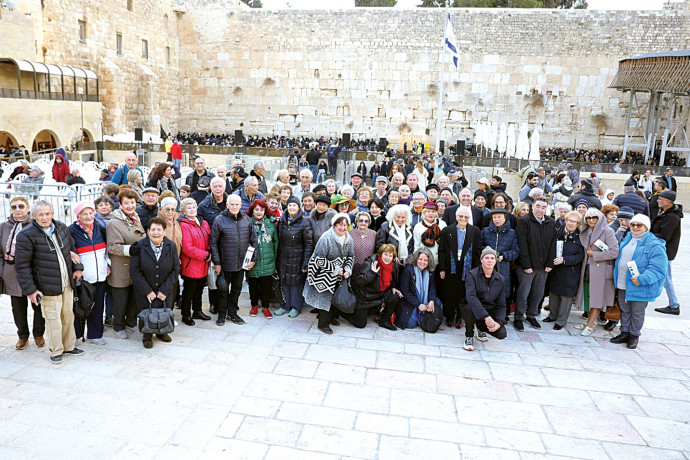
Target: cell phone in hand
39, 297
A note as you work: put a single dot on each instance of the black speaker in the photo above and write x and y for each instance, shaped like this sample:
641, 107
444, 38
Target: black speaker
239, 138
346, 140
139, 134
460, 148
383, 143
441, 147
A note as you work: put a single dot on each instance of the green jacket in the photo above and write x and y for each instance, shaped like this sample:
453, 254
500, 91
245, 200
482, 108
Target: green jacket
268, 249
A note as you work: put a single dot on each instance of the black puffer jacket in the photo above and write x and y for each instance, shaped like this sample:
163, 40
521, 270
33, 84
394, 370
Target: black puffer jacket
366, 286
564, 279
230, 238
666, 226
294, 250
37, 262
146, 214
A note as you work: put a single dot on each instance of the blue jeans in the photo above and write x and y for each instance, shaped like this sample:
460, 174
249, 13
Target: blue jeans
177, 162
320, 177
314, 170
108, 301
414, 319
670, 290
293, 297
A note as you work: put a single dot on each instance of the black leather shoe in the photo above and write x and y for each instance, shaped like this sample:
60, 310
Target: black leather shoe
668, 310
533, 323
632, 342
611, 325
335, 322
220, 322
585, 315
557, 327
517, 324
620, 338
201, 315
548, 319
326, 330
236, 319
188, 321
388, 325
212, 310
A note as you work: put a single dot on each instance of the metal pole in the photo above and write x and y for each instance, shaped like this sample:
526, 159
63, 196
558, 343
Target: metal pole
648, 128
657, 113
627, 127
666, 129
440, 93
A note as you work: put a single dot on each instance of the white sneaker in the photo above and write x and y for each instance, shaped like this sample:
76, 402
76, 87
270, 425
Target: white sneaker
469, 344
121, 334
100, 341
481, 336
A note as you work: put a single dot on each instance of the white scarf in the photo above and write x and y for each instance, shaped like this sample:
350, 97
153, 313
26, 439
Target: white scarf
402, 240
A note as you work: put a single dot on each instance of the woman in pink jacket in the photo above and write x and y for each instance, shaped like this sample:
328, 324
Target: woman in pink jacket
194, 260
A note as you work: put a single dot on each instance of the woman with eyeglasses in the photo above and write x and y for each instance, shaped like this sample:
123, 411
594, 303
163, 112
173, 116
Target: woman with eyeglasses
194, 261
20, 218
596, 288
364, 240
563, 279
646, 253
162, 179
168, 212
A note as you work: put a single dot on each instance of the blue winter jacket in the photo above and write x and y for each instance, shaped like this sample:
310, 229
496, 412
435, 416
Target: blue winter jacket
632, 199
650, 257
504, 241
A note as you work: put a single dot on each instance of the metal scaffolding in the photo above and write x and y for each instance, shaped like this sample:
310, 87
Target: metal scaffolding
666, 78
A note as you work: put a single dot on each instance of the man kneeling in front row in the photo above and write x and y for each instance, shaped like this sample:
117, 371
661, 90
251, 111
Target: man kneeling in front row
486, 302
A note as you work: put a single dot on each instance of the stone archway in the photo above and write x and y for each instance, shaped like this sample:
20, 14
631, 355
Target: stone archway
8, 141
45, 140
82, 135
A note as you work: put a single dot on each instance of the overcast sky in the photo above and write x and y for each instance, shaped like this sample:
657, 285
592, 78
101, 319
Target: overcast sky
343, 4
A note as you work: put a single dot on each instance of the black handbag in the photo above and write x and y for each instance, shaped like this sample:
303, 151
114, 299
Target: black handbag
343, 298
156, 319
277, 290
83, 298
431, 321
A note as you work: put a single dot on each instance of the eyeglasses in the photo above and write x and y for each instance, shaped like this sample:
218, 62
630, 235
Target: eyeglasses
636, 225
463, 217
572, 221
17, 206
365, 221
592, 218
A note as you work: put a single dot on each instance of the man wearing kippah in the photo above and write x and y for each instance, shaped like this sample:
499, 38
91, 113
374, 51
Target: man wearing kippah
666, 226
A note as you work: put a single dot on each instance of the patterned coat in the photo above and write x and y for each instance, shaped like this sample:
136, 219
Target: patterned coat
321, 278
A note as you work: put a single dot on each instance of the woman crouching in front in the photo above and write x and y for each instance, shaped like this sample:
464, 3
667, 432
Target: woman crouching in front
418, 289
154, 270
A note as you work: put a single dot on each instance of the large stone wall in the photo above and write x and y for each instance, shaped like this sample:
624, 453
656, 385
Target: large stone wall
374, 72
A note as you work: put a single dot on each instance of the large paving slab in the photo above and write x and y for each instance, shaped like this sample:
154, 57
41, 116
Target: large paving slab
279, 389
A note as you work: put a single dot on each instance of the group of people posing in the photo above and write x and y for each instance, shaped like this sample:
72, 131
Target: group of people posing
416, 250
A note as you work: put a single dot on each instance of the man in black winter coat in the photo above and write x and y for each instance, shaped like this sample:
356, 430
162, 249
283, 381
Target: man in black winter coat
666, 226
586, 193
486, 302
631, 199
231, 235
45, 272
536, 233
148, 208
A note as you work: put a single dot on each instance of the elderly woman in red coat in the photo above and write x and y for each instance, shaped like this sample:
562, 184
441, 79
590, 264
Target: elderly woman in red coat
194, 260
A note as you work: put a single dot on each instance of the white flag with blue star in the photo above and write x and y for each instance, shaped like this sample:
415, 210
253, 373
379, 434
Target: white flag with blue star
450, 42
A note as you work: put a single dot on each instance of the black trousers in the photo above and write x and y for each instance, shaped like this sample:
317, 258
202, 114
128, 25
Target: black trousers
325, 317
260, 288
124, 308
20, 307
94, 322
228, 303
191, 295
358, 318
471, 322
390, 303
454, 297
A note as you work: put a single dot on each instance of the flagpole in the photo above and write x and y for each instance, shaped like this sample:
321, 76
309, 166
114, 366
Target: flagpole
440, 93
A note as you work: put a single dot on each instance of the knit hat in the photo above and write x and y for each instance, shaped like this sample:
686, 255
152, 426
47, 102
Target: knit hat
430, 205
339, 215
294, 199
488, 251
432, 187
35, 169
626, 212
322, 199
641, 218
480, 193
668, 194
318, 188
83, 205
167, 201
586, 184
579, 202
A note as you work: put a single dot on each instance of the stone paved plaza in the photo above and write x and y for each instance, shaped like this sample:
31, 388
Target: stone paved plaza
280, 389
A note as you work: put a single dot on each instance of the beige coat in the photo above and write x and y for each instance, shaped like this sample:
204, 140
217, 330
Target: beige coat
120, 235
174, 232
602, 291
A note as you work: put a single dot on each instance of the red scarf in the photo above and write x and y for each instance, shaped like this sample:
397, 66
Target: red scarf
385, 274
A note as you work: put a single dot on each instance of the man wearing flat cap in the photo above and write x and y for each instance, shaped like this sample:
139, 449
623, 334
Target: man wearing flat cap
666, 226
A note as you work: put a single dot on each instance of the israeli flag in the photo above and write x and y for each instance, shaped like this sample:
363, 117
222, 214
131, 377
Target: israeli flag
450, 42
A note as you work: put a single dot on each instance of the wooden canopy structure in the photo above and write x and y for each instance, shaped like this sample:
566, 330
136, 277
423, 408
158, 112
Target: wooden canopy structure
666, 78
